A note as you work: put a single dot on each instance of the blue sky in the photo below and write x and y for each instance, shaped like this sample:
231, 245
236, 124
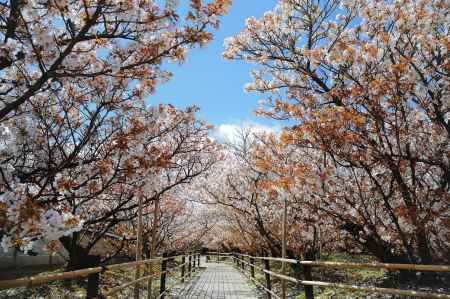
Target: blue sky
212, 83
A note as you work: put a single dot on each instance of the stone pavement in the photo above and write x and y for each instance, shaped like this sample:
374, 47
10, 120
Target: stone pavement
219, 281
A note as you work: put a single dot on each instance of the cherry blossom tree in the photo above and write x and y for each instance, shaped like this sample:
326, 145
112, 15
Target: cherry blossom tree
77, 138
367, 85
158, 152
245, 188
150, 153
182, 225
53, 45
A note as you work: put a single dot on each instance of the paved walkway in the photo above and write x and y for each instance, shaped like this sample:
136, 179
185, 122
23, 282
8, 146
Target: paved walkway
219, 281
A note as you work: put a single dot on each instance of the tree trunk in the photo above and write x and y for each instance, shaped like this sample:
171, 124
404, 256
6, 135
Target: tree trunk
79, 258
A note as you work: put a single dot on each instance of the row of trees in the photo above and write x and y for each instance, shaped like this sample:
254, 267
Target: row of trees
365, 160
78, 144
363, 165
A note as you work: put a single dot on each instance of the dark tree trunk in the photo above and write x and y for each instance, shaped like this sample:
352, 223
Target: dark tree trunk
79, 258
423, 247
374, 245
77, 254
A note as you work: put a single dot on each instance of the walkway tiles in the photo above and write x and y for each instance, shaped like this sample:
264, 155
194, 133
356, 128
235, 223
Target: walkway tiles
219, 281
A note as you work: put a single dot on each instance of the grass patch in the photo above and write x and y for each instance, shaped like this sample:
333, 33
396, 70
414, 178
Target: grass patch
360, 276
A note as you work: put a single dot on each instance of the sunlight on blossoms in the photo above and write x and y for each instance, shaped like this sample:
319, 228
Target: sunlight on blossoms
345, 162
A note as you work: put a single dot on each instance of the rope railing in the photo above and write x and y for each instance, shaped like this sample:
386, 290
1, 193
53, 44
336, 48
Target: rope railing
190, 261
275, 259
39, 280
309, 283
412, 267
257, 283
128, 284
183, 275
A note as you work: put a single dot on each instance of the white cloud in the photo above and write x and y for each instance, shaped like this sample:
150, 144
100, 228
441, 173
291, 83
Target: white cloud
229, 132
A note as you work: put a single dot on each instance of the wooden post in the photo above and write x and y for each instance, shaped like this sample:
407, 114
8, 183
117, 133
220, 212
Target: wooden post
198, 260
283, 264
268, 281
162, 284
309, 291
92, 286
152, 248
190, 265
183, 267
92, 290
138, 248
244, 265
193, 263
218, 255
252, 267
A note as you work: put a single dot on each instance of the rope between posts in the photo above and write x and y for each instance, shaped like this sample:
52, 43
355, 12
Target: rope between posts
340, 265
258, 283
360, 288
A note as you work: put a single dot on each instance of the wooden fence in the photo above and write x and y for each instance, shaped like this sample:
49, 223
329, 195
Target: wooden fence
156, 268
244, 262
160, 268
